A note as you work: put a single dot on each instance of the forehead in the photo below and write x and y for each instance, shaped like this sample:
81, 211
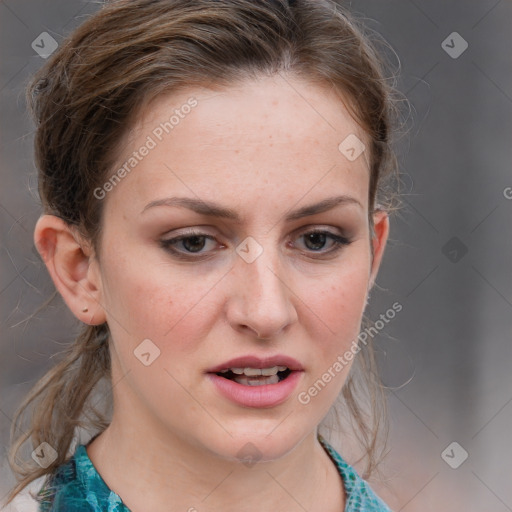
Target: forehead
276, 137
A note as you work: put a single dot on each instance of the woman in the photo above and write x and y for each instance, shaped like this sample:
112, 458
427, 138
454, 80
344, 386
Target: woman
213, 175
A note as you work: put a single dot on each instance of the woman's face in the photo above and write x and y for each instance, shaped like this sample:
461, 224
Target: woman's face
248, 174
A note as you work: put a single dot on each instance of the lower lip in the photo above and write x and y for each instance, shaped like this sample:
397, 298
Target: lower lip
267, 395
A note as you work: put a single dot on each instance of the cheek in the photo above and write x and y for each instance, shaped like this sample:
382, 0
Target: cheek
150, 299
155, 301
335, 312
338, 302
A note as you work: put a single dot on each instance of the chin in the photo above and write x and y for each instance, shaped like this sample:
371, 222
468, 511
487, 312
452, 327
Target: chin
250, 443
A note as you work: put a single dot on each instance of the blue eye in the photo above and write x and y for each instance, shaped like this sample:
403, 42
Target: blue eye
192, 243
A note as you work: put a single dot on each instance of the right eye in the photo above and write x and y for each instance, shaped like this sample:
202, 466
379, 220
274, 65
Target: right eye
186, 245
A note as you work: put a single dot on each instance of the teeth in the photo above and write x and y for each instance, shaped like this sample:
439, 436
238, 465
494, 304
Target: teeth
247, 381
254, 372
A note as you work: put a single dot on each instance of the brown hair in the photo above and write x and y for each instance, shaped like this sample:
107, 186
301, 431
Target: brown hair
88, 94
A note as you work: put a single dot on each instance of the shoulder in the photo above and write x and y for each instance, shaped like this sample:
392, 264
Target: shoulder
51, 492
359, 494
25, 500
75, 485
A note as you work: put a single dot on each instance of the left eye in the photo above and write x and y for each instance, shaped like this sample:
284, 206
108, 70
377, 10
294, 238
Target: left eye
316, 240
194, 243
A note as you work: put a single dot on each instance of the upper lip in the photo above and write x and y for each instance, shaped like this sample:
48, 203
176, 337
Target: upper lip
257, 362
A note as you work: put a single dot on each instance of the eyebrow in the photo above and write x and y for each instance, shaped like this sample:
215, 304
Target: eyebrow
211, 209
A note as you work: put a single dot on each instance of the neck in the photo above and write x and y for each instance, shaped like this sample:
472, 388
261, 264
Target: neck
151, 473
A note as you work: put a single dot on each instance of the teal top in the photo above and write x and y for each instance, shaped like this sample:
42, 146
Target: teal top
77, 486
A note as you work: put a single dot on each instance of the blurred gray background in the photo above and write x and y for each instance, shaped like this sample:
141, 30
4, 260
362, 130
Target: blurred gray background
446, 356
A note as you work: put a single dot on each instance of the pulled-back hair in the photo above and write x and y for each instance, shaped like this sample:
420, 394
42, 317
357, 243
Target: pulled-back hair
89, 94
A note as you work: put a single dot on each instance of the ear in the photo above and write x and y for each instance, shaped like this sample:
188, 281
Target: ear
379, 239
72, 266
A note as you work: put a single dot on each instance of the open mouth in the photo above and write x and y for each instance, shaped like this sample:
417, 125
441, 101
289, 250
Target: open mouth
257, 382
256, 376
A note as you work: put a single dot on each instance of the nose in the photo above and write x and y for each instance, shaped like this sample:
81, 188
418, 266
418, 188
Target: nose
262, 298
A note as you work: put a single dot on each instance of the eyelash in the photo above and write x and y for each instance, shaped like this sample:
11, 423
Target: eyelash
339, 243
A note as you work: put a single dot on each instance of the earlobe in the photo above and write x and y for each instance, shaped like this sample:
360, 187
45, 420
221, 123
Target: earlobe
72, 267
379, 240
